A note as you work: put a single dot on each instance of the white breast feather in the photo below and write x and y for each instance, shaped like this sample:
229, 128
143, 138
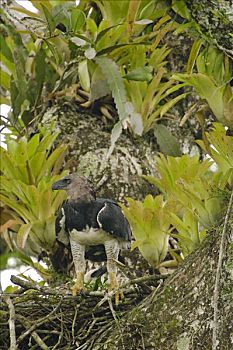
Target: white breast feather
90, 236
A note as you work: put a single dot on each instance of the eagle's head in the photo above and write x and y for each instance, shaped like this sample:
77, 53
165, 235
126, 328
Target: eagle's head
77, 187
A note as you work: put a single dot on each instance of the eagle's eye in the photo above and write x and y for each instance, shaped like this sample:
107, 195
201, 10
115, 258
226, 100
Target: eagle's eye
67, 181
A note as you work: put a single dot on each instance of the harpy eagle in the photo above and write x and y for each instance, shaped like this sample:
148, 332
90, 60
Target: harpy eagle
91, 224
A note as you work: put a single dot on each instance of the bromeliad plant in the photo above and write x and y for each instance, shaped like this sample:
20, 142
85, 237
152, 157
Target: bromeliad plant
28, 169
86, 52
193, 199
209, 72
150, 223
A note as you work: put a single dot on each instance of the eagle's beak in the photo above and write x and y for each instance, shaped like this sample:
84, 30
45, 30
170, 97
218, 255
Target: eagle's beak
58, 185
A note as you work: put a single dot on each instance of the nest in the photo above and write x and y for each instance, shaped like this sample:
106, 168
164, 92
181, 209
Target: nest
38, 317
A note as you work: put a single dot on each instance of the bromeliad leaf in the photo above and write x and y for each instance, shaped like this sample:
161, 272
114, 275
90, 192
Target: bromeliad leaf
140, 74
115, 134
84, 77
22, 235
116, 85
77, 19
167, 142
99, 85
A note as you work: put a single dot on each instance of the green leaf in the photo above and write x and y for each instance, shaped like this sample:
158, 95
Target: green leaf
53, 50
37, 4
140, 74
102, 33
36, 163
44, 205
109, 49
99, 86
5, 80
84, 77
7, 166
23, 212
32, 145
147, 106
40, 72
148, 10
24, 11
168, 143
4, 100
22, 235
78, 19
132, 15
47, 142
207, 89
171, 103
116, 85
180, 7
50, 229
193, 55
52, 159
5, 50
115, 134
50, 21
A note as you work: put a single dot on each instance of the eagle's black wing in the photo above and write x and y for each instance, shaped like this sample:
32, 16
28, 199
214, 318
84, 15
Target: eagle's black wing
112, 220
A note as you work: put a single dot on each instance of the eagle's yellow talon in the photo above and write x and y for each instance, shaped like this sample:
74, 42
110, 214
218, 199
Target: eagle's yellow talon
119, 296
114, 287
78, 286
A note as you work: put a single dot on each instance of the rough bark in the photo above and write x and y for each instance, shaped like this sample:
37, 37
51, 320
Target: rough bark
215, 19
89, 140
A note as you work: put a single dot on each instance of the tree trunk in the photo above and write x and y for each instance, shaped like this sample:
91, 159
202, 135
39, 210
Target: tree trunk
215, 19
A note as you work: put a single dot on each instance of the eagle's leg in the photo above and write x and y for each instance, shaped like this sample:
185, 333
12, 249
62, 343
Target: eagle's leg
112, 252
78, 253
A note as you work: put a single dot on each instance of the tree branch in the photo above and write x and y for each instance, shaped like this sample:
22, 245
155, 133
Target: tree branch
11, 321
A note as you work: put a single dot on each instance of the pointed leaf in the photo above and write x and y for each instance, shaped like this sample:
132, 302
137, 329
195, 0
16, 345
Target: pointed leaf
77, 19
50, 21
84, 77
22, 235
115, 134
115, 82
171, 103
168, 143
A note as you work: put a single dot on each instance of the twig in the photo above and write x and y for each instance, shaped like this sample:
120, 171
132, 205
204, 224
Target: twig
189, 112
143, 343
23, 283
222, 250
88, 331
39, 341
60, 335
13, 345
116, 320
39, 323
140, 280
74, 320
